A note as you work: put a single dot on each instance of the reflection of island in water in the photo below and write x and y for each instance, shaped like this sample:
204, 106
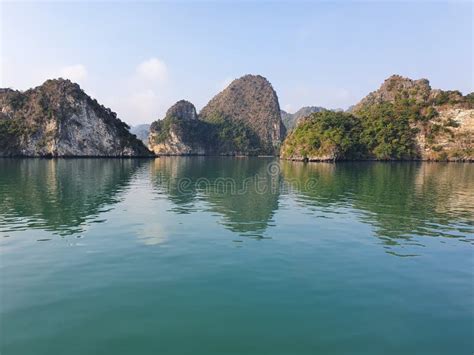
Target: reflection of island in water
60, 195
400, 200
228, 186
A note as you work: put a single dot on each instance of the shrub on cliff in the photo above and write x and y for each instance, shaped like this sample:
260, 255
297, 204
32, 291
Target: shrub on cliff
326, 135
227, 136
386, 130
379, 131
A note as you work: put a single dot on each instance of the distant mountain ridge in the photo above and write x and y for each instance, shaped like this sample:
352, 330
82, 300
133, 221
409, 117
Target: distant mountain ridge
290, 120
141, 131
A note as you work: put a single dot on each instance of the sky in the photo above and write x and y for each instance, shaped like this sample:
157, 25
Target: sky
140, 58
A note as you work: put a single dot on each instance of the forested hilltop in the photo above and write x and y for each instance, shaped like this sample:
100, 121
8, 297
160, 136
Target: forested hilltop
403, 120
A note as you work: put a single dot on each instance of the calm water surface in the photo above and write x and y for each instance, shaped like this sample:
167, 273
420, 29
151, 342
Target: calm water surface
235, 256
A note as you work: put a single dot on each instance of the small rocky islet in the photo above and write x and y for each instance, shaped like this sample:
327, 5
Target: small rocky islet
404, 119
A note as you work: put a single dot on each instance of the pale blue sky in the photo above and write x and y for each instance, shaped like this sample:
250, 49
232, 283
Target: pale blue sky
141, 58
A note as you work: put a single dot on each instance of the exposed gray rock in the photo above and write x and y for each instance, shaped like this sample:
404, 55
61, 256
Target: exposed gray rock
244, 119
250, 101
446, 131
183, 110
58, 119
179, 132
396, 87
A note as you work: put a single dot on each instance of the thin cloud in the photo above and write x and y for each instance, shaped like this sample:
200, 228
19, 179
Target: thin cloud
143, 104
153, 70
147, 93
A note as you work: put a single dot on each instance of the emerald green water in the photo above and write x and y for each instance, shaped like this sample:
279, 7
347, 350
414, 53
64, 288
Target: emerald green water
235, 256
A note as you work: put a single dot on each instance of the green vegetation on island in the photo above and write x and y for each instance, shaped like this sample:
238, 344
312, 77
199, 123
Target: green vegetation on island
217, 135
325, 135
404, 120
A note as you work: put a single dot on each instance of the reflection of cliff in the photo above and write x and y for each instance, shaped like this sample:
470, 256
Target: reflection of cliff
60, 195
399, 199
250, 207
166, 175
400, 204
241, 190
314, 184
443, 180
385, 192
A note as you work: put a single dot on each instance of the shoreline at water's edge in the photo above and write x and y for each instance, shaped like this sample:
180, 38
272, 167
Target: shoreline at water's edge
306, 160
78, 157
299, 160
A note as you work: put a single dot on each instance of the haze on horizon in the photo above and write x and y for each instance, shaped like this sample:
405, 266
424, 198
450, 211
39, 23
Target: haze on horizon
138, 59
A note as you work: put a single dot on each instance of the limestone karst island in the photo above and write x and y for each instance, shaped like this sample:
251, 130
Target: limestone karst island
235, 177
404, 119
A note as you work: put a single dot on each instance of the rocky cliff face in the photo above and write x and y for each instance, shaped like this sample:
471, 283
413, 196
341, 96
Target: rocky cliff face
396, 87
403, 120
183, 110
448, 136
179, 133
442, 121
244, 119
57, 119
252, 103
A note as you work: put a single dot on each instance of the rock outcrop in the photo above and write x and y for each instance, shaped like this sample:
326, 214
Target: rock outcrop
58, 119
244, 119
442, 121
403, 120
448, 136
182, 110
396, 87
252, 103
179, 133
